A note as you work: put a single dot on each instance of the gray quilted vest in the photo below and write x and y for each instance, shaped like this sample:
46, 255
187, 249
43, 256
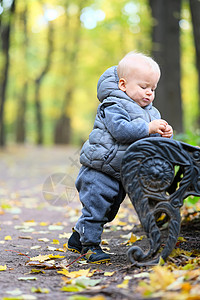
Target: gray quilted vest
102, 151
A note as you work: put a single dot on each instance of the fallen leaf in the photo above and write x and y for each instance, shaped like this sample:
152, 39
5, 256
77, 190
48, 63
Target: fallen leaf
104, 242
85, 281
109, 273
3, 268
37, 271
35, 247
28, 237
178, 252
42, 258
44, 224
46, 265
55, 227
39, 290
43, 240
8, 238
132, 238
71, 288
27, 278
75, 274
15, 292
80, 283
55, 242
161, 277
51, 248
141, 275
98, 297
64, 235
124, 284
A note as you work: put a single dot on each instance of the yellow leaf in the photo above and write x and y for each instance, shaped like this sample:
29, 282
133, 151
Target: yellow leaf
161, 218
186, 286
74, 274
29, 221
60, 249
44, 224
37, 271
55, 256
55, 242
178, 252
98, 297
8, 238
71, 288
108, 273
120, 223
3, 268
133, 238
64, 235
161, 261
161, 278
182, 239
89, 253
41, 258
39, 290
124, 284
104, 242
65, 247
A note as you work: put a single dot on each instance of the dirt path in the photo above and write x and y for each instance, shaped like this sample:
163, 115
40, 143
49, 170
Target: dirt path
36, 217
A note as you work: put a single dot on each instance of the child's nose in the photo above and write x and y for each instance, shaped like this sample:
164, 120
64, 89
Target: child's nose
149, 92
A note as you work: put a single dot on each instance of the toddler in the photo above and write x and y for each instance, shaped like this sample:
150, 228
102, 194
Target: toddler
125, 115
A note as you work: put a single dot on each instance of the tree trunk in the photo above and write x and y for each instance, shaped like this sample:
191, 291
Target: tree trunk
20, 125
166, 51
38, 82
195, 13
63, 130
22, 101
5, 29
62, 133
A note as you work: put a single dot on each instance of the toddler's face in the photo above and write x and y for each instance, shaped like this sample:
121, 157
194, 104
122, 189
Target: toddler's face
141, 85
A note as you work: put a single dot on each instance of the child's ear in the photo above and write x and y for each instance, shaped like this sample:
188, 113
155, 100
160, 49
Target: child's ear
122, 84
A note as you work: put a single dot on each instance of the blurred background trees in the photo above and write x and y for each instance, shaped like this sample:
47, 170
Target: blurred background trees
52, 53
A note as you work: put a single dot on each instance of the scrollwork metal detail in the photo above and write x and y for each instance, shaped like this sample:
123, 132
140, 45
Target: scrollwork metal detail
155, 174
158, 174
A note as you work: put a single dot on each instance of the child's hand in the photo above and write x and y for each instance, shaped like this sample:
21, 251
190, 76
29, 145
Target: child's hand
168, 131
157, 126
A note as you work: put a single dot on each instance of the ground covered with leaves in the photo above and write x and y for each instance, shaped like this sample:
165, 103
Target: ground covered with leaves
38, 208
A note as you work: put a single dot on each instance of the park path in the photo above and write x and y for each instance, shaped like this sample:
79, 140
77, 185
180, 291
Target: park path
38, 207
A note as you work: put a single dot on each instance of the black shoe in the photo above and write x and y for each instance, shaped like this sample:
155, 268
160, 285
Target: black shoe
94, 254
74, 243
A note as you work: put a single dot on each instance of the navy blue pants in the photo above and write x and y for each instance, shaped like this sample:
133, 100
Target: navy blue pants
101, 196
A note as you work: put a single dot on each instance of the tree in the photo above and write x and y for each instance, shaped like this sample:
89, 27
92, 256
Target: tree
38, 82
195, 13
62, 134
166, 51
5, 28
22, 101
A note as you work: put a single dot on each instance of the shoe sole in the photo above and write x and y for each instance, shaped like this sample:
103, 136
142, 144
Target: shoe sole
102, 261
75, 250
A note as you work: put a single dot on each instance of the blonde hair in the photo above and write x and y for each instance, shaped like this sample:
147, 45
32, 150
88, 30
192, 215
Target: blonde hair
124, 64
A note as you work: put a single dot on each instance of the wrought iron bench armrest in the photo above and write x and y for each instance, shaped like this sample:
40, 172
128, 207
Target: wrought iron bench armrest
158, 174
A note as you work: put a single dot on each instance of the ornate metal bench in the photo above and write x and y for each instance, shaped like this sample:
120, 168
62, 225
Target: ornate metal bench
158, 174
